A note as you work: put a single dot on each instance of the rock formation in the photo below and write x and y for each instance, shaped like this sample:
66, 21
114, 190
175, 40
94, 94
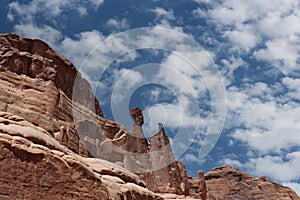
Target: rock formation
35, 166
57, 144
36, 83
229, 183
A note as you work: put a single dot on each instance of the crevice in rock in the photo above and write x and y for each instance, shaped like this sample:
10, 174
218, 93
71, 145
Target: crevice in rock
57, 99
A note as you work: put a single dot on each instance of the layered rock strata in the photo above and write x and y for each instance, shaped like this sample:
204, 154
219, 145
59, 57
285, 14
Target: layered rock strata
35, 166
50, 136
228, 183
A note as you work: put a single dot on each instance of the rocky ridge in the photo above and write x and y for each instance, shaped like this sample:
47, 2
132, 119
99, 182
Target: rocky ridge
53, 154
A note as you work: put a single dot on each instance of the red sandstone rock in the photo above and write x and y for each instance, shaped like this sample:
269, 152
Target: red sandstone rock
137, 115
36, 59
229, 183
39, 105
33, 165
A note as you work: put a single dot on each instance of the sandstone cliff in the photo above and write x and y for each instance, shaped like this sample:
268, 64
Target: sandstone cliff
47, 154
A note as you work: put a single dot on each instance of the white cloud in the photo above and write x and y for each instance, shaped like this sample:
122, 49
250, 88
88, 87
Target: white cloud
199, 13
277, 168
82, 10
232, 162
244, 37
276, 25
161, 13
176, 115
126, 80
46, 33
77, 49
281, 53
202, 1
249, 23
118, 24
188, 157
49, 9
230, 65
265, 118
293, 86
266, 126
237, 12
96, 3
97, 52
283, 171
27, 25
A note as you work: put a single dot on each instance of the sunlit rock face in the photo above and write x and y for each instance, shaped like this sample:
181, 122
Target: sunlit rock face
56, 143
229, 183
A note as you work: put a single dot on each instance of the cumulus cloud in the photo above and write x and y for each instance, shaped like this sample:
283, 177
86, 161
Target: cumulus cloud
46, 33
277, 168
126, 81
282, 53
176, 115
293, 85
269, 26
244, 37
78, 49
163, 17
263, 122
237, 12
263, 116
267, 124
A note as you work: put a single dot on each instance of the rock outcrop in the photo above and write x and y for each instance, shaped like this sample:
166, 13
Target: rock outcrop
228, 183
37, 84
57, 144
35, 166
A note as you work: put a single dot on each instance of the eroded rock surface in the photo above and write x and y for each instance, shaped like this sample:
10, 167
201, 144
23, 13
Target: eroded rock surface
37, 84
50, 136
35, 166
226, 183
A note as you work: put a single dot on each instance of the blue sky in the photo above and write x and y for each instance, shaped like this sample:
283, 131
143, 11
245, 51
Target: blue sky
244, 89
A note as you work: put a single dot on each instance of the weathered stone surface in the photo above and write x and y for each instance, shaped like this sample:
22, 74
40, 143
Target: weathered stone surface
36, 59
137, 115
37, 84
33, 165
229, 183
49, 134
197, 186
166, 175
41, 103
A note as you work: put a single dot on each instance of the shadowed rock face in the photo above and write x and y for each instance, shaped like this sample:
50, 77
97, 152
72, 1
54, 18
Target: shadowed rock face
45, 153
137, 115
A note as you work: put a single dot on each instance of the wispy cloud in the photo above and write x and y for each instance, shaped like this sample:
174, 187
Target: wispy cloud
48, 9
117, 24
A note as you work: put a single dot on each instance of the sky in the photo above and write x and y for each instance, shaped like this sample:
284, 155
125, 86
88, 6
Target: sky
223, 76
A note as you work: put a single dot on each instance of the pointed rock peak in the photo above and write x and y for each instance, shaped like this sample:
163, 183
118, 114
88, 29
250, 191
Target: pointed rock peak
160, 126
137, 115
159, 139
